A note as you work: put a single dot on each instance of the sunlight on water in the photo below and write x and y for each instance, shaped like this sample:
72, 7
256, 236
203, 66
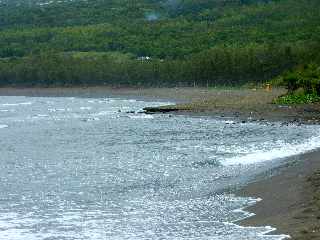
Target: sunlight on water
77, 168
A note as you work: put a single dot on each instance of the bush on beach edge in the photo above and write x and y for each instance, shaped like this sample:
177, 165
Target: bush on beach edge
302, 84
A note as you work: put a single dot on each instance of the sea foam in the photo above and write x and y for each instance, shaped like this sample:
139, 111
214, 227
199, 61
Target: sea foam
283, 151
142, 116
16, 104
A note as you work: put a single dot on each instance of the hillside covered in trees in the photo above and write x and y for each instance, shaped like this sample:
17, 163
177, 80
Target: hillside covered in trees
154, 42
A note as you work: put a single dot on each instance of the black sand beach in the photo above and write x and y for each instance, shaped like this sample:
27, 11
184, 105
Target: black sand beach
291, 198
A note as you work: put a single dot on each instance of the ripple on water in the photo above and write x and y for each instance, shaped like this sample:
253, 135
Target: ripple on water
16, 104
86, 169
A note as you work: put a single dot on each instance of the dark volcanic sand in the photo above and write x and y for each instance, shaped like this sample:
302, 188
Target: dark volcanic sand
291, 198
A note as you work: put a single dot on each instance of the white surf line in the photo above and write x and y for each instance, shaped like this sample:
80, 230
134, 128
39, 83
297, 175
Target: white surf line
16, 104
268, 230
141, 117
286, 150
248, 214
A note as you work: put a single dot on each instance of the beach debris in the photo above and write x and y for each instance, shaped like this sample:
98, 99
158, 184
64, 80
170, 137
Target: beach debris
268, 87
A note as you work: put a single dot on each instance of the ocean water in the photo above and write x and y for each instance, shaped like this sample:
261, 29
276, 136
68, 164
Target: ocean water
80, 168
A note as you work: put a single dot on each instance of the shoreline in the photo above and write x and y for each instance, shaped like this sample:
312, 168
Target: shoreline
240, 103
287, 192
290, 197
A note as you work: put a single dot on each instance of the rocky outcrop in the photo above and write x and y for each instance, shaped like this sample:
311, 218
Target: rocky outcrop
152, 110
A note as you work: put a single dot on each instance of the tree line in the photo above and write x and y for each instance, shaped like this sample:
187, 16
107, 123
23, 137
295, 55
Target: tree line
230, 65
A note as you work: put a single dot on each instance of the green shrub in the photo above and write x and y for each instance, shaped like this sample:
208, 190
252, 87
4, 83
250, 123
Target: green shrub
297, 99
303, 85
306, 77
292, 81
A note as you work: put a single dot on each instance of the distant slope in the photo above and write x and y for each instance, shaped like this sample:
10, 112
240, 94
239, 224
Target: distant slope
82, 12
161, 29
204, 42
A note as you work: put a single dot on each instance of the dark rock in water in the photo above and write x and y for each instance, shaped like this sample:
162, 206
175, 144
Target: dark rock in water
237, 114
119, 111
130, 112
243, 121
151, 110
150, 113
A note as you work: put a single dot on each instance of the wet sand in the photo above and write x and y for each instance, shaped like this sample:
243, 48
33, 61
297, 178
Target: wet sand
290, 198
291, 193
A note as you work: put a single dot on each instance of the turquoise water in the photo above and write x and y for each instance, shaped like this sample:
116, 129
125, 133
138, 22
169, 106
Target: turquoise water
77, 168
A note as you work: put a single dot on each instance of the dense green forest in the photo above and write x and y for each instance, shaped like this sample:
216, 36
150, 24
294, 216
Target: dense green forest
154, 42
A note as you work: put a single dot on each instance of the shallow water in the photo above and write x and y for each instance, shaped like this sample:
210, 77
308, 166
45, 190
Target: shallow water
77, 168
